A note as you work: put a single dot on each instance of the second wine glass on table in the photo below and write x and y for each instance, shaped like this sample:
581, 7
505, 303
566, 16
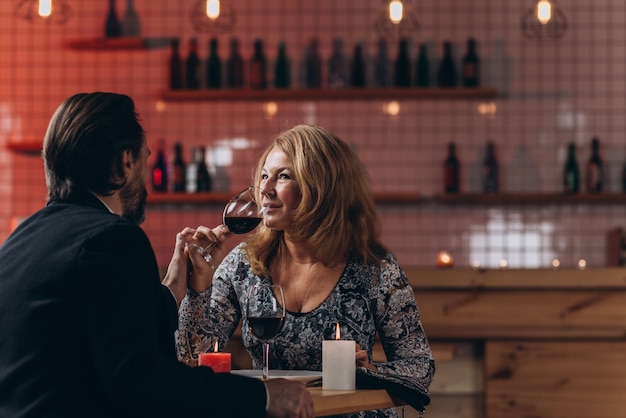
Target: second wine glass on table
242, 214
265, 312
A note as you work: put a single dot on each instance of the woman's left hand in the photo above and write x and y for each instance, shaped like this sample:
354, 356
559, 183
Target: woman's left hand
362, 359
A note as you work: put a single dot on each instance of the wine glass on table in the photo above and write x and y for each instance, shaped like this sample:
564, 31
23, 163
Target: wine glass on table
265, 312
242, 214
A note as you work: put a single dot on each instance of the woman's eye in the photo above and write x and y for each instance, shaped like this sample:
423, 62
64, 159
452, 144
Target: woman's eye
284, 176
263, 176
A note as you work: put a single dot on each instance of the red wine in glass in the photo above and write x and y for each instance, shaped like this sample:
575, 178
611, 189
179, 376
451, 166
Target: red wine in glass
241, 225
265, 328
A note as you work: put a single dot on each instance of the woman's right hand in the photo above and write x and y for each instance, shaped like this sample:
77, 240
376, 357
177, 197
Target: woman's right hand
201, 271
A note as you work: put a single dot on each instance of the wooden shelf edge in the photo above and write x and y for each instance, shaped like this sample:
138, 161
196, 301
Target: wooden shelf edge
29, 147
273, 94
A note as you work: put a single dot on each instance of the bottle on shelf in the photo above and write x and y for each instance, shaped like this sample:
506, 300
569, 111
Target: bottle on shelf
337, 71
131, 25
471, 65
381, 64
312, 65
595, 171
175, 66
192, 66
452, 171
402, 70
258, 67
446, 73
357, 67
159, 170
282, 69
490, 169
112, 26
624, 178
179, 169
203, 178
234, 66
422, 69
213, 66
571, 173
191, 172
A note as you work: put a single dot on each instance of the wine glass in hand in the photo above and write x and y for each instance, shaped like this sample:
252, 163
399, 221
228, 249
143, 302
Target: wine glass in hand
265, 312
242, 214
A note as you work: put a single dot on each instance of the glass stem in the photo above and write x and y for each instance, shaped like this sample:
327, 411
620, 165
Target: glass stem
266, 360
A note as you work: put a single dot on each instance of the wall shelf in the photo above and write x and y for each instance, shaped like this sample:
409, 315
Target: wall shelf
530, 198
272, 94
27, 146
116, 44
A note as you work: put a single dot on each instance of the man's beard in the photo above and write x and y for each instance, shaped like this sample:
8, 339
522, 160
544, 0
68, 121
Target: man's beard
133, 199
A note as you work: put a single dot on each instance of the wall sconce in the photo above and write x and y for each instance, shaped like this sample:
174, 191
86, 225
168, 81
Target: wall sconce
49, 11
396, 19
545, 20
213, 16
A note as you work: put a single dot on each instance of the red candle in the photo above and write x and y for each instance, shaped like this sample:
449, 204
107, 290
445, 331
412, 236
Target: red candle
219, 362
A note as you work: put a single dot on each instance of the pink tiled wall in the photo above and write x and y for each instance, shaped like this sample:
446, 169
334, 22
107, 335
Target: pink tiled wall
551, 93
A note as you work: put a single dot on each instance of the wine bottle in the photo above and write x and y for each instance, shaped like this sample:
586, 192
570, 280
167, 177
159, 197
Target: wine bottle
159, 170
112, 27
402, 70
446, 73
571, 173
312, 65
192, 173
337, 66
451, 171
357, 67
595, 172
381, 65
213, 66
490, 169
282, 71
234, 66
471, 65
175, 66
178, 169
422, 74
130, 24
258, 67
203, 178
192, 66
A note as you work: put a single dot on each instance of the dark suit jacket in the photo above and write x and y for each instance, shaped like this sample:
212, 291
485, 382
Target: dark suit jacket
87, 330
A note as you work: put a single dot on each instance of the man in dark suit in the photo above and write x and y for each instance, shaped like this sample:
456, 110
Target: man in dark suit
86, 327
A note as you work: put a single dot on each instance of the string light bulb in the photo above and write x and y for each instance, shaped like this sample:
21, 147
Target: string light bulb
213, 16
396, 19
545, 20
48, 11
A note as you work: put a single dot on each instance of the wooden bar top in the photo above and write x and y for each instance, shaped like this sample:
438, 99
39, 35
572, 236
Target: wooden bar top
332, 402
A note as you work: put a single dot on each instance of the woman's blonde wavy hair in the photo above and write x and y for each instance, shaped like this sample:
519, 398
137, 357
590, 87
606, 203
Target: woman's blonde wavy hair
337, 215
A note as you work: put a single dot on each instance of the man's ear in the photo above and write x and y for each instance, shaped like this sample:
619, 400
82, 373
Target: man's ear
127, 160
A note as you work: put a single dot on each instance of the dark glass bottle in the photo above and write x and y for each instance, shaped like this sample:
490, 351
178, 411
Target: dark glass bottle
176, 65
131, 25
490, 169
203, 178
258, 67
337, 76
381, 65
192, 66
446, 73
112, 27
159, 170
402, 70
471, 65
422, 73
213, 66
282, 70
313, 65
357, 67
571, 173
178, 169
451, 171
234, 66
595, 171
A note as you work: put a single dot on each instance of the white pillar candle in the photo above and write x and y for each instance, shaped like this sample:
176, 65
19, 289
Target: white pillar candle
338, 364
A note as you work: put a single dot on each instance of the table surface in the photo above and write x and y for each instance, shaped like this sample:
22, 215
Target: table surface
331, 402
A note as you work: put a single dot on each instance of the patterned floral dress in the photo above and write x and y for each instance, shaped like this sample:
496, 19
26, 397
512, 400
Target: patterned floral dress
367, 299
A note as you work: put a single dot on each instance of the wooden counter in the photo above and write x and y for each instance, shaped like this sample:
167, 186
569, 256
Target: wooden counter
554, 339
332, 402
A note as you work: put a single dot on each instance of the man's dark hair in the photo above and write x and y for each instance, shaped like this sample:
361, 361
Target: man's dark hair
85, 141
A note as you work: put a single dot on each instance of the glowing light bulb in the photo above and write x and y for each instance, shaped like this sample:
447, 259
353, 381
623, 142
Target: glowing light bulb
396, 11
213, 9
391, 108
544, 11
45, 8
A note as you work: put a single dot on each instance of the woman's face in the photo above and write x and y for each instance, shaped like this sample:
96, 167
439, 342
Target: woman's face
277, 179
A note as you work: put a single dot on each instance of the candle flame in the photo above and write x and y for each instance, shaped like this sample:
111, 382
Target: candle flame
337, 333
215, 347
